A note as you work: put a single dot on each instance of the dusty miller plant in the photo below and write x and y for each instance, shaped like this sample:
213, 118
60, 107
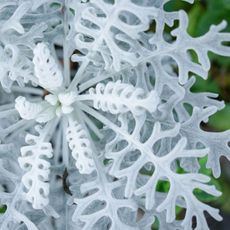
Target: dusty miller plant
97, 110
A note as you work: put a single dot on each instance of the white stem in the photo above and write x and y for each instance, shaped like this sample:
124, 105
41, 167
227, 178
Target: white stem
7, 106
91, 125
13, 128
57, 147
85, 97
29, 90
7, 113
92, 82
66, 46
48, 130
78, 76
117, 129
98, 116
65, 148
20, 130
99, 166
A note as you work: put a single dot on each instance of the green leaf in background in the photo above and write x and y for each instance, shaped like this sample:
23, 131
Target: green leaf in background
224, 200
195, 15
177, 5
3, 209
221, 120
202, 196
202, 15
214, 13
209, 85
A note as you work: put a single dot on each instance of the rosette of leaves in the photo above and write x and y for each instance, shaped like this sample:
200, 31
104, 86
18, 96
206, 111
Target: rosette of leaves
98, 136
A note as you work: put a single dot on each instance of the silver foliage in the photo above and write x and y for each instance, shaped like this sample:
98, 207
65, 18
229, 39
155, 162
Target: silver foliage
86, 147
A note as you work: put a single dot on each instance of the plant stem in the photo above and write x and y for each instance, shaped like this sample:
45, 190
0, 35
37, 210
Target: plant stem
66, 46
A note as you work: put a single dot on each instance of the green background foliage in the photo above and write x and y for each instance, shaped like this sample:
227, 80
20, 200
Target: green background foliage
202, 14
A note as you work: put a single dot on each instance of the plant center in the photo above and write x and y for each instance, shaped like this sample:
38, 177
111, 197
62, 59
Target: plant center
63, 102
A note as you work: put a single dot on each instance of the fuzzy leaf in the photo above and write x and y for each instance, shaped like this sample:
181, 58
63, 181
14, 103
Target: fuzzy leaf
46, 69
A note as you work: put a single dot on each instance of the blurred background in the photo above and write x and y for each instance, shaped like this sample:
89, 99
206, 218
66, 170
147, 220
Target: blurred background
202, 14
